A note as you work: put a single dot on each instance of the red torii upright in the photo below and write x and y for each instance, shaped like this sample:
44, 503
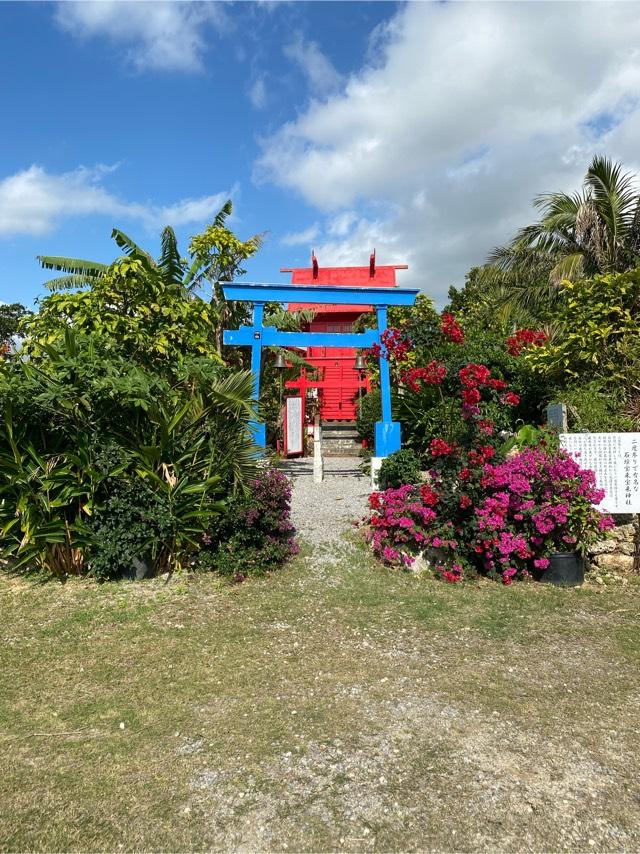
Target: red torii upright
338, 380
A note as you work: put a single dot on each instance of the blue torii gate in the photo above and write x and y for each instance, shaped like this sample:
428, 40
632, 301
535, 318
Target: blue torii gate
387, 431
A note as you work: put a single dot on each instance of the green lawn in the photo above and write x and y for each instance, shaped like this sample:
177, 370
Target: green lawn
333, 706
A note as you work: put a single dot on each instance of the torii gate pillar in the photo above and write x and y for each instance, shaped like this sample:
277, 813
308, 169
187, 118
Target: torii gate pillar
387, 431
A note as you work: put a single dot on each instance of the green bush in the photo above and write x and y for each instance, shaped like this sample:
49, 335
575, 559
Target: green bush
83, 434
368, 412
593, 408
398, 469
126, 530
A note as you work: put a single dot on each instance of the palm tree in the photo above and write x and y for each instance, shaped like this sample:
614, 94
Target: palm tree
595, 230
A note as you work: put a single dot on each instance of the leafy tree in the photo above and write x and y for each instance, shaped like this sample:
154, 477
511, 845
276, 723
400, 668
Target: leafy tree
10, 317
133, 310
216, 256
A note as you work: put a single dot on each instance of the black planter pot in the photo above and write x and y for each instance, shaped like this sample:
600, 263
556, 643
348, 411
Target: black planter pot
566, 569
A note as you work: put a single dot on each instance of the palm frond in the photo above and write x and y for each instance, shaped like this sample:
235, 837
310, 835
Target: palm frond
234, 393
568, 268
225, 211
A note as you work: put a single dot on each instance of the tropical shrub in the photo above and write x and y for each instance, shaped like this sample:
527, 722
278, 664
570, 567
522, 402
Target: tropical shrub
599, 321
399, 468
184, 446
256, 534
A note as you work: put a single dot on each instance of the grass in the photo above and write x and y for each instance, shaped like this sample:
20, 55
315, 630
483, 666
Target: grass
332, 706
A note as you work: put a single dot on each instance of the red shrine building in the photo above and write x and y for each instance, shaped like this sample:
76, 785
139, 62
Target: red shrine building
338, 380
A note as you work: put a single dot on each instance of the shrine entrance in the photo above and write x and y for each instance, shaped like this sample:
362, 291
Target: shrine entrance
336, 378
359, 298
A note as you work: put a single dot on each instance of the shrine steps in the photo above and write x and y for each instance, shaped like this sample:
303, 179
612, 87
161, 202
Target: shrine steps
340, 439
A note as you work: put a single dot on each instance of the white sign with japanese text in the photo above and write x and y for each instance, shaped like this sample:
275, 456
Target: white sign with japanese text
615, 459
294, 425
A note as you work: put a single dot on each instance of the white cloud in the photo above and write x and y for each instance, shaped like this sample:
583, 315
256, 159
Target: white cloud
35, 201
301, 238
258, 93
464, 112
158, 35
320, 73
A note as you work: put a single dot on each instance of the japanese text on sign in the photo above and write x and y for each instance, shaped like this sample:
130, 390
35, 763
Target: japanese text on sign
614, 457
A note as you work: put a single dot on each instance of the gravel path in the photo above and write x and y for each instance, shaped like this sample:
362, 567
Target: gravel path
322, 512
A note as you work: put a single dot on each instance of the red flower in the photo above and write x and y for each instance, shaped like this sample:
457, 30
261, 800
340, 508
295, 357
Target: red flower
433, 374
522, 338
394, 344
465, 474
471, 396
429, 496
465, 501
451, 329
440, 448
498, 385
486, 427
511, 398
474, 375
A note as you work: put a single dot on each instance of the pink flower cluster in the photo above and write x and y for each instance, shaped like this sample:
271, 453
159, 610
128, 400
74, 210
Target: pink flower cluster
403, 522
524, 509
536, 503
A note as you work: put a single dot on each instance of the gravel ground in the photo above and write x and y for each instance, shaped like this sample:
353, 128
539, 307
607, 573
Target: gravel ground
322, 512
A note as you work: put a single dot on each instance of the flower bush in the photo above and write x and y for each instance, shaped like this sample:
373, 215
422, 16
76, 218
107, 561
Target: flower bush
503, 519
480, 511
256, 534
536, 503
523, 338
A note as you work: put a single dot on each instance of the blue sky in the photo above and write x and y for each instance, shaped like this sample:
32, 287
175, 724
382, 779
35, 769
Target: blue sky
421, 129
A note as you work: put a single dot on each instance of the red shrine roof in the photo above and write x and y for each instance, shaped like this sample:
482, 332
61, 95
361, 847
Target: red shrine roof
364, 277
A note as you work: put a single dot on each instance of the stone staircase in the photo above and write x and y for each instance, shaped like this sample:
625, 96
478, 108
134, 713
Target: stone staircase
340, 439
